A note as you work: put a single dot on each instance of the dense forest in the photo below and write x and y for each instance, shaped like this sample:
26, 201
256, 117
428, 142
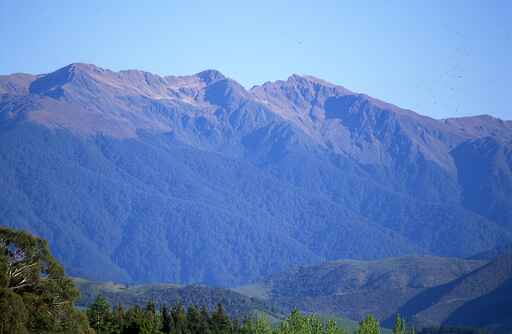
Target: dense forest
37, 297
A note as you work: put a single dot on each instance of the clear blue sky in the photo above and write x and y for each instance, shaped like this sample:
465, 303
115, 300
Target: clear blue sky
440, 58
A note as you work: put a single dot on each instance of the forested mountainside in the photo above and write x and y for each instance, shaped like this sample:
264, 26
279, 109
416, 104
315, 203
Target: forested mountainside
135, 177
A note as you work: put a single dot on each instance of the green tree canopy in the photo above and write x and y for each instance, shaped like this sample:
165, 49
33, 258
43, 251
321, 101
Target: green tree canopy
369, 325
32, 280
399, 325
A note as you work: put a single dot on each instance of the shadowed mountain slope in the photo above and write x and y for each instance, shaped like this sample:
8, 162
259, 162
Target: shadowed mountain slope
357, 288
426, 291
481, 298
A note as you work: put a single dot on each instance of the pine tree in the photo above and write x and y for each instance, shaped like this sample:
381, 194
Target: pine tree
179, 319
133, 319
399, 325
262, 325
150, 323
220, 321
368, 326
332, 328
205, 322
118, 319
166, 320
194, 320
99, 315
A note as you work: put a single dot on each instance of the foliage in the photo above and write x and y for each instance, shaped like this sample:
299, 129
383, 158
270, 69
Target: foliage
100, 315
399, 325
177, 320
369, 325
36, 295
13, 314
235, 304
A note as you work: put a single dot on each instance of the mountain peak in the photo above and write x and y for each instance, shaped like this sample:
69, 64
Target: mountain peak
52, 81
82, 67
210, 76
77, 69
302, 84
297, 78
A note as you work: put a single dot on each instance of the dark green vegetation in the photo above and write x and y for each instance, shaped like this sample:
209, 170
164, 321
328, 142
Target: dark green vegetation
236, 305
35, 295
194, 320
133, 177
426, 291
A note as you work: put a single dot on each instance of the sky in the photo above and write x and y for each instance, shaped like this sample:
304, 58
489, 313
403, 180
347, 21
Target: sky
439, 58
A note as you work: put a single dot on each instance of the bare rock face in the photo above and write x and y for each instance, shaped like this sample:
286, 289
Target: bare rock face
138, 177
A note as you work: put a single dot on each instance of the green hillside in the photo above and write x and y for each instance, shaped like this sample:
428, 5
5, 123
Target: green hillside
356, 288
235, 304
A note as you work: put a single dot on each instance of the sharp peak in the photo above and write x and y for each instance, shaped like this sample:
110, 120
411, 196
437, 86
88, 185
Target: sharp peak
300, 79
81, 67
72, 70
310, 78
210, 75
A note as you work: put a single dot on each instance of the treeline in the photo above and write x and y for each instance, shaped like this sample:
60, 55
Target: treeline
194, 320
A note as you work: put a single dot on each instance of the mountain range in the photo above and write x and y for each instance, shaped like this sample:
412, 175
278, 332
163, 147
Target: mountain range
135, 177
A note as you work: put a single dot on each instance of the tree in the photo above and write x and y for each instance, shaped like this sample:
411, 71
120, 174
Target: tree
220, 321
194, 320
132, 320
369, 325
262, 325
205, 321
99, 315
150, 322
13, 315
28, 270
118, 319
293, 324
166, 320
179, 319
399, 325
332, 328
306, 324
